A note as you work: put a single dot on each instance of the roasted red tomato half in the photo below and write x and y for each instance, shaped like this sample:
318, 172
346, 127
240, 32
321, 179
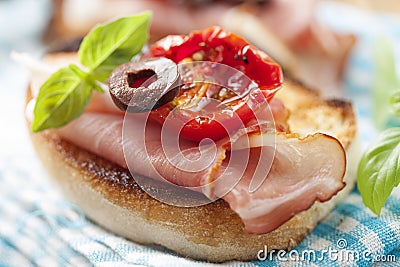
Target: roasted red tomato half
215, 45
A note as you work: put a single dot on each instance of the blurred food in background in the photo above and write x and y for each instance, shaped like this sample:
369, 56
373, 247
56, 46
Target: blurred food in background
287, 30
390, 6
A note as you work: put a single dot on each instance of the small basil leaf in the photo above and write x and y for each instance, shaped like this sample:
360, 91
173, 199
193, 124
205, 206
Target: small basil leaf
110, 45
379, 169
395, 103
62, 98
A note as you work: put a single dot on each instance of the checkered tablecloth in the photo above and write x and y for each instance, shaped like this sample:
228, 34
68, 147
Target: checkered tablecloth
39, 228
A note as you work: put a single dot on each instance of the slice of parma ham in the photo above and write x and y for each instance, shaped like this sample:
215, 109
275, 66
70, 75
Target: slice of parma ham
302, 171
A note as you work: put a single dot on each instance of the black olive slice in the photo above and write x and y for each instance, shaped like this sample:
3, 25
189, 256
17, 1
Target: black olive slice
144, 85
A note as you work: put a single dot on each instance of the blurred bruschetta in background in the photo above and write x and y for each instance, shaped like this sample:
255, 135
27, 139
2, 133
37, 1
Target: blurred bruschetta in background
288, 30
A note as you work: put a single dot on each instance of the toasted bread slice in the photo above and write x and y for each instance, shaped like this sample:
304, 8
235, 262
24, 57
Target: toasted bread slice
109, 196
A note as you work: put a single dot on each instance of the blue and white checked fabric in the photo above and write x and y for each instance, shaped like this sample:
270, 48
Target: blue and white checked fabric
38, 228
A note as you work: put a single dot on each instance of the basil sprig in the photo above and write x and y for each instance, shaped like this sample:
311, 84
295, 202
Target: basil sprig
66, 93
379, 168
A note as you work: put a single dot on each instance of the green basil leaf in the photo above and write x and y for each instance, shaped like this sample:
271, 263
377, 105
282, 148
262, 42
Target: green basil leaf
379, 169
62, 98
110, 45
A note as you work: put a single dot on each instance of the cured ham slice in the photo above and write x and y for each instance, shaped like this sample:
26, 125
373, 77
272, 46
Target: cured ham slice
142, 151
302, 170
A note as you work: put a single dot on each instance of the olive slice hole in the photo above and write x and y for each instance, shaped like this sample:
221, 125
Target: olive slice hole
136, 79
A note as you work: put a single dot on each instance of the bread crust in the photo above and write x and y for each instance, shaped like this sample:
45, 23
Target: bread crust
109, 195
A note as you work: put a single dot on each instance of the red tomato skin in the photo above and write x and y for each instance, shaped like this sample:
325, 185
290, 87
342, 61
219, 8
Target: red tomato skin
217, 45
227, 48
